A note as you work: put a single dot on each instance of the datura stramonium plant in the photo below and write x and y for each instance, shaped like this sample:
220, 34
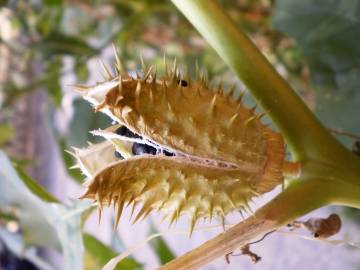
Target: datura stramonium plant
178, 147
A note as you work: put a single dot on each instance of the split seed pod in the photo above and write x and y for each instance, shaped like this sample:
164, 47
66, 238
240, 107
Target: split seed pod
223, 154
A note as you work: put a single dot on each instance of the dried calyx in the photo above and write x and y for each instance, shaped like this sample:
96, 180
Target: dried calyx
181, 147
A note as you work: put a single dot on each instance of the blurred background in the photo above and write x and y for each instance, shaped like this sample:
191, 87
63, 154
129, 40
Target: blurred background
47, 46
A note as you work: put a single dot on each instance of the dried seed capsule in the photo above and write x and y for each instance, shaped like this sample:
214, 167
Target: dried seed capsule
225, 155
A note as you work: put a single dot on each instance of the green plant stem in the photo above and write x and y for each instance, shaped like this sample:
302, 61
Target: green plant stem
302, 130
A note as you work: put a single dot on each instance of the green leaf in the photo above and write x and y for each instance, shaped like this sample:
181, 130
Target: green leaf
325, 32
52, 81
7, 215
43, 223
82, 71
85, 120
69, 161
162, 250
340, 111
34, 187
6, 132
53, 2
58, 43
49, 79
97, 254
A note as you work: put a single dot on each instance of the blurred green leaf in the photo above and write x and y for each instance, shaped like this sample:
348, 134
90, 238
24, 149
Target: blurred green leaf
325, 32
49, 79
122, 9
45, 23
49, 19
69, 161
43, 224
31, 209
52, 2
57, 43
340, 111
82, 71
52, 81
34, 186
6, 132
98, 254
85, 120
161, 249
7, 215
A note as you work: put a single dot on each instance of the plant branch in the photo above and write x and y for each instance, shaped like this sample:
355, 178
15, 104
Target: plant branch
286, 109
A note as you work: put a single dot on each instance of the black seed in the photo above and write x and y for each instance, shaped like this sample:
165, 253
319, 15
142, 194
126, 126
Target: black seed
124, 131
167, 153
356, 148
118, 155
183, 83
141, 149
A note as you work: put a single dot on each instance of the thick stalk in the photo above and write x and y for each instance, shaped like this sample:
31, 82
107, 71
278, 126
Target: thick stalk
286, 109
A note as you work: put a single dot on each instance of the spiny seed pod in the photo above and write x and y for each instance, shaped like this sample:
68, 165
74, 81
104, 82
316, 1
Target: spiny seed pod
212, 153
